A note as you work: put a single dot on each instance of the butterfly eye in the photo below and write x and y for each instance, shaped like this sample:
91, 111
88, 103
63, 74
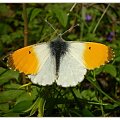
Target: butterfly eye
89, 48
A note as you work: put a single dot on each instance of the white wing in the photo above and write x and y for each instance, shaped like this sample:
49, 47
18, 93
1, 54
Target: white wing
46, 72
46, 76
72, 69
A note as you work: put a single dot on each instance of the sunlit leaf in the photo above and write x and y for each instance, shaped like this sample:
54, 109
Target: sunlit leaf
6, 96
6, 75
109, 68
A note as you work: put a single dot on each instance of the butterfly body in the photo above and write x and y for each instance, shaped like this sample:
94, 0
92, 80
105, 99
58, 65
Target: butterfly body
58, 48
60, 61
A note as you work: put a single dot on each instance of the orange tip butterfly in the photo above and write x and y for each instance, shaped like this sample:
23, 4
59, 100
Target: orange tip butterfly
60, 61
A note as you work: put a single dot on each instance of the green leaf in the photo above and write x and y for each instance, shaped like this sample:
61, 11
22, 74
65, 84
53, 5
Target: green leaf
5, 28
34, 13
6, 39
87, 113
37, 105
22, 106
74, 112
88, 94
11, 114
6, 75
2, 70
109, 68
61, 16
29, 12
117, 59
98, 70
77, 92
6, 96
4, 107
90, 37
4, 9
72, 37
41, 107
110, 106
34, 107
25, 96
12, 86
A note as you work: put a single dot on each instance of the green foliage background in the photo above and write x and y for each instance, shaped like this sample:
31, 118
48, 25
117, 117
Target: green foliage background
97, 95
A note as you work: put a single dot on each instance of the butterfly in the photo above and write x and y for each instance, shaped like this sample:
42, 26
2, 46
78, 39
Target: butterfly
60, 61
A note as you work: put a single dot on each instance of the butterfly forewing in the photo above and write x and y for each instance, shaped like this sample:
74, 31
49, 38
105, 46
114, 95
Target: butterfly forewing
96, 54
24, 60
29, 59
90, 54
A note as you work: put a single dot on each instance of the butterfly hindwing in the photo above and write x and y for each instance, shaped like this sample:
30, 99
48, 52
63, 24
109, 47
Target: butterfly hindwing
71, 72
46, 75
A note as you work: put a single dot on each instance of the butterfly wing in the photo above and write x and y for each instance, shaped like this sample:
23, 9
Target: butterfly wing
36, 62
71, 71
92, 54
81, 56
46, 76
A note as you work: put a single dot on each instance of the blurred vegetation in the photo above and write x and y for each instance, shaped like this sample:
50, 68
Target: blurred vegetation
97, 95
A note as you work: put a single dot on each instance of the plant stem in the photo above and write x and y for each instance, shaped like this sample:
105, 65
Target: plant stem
71, 9
25, 33
82, 23
25, 24
94, 84
101, 18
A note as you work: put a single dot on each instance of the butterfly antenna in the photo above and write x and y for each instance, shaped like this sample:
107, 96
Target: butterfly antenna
51, 26
70, 29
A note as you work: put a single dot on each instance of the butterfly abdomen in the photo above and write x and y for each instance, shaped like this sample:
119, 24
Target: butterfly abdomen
58, 49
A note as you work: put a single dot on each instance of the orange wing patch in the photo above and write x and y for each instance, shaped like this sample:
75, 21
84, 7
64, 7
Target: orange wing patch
24, 60
96, 54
